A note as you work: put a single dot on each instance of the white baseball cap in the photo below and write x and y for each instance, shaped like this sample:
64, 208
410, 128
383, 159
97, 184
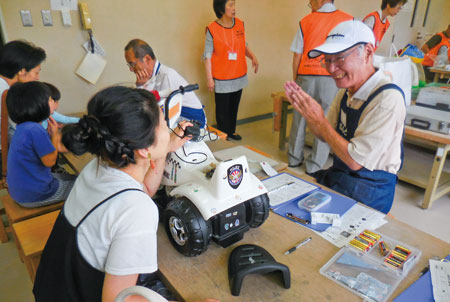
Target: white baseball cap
344, 36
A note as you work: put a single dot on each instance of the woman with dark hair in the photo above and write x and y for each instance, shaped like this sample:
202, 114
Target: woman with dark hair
32, 151
226, 67
105, 235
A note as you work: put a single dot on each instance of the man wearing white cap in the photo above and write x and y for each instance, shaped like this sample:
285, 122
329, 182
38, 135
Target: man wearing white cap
364, 126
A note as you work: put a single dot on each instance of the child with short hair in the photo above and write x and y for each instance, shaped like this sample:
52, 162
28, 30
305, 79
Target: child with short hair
32, 151
58, 117
377, 20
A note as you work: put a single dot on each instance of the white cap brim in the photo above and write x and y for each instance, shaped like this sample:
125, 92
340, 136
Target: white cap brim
330, 49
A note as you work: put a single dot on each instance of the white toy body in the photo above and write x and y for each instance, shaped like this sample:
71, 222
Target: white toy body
206, 199
232, 182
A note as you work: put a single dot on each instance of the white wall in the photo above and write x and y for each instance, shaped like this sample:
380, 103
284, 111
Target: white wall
175, 29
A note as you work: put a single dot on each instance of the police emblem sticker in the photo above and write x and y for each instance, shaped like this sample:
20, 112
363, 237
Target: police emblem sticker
235, 176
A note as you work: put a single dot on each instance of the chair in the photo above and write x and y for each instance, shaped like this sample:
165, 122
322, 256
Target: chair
31, 236
15, 213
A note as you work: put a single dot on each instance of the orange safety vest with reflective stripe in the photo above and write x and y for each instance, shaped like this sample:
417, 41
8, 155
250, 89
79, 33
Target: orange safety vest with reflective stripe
379, 28
228, 41
432, 54
315, 28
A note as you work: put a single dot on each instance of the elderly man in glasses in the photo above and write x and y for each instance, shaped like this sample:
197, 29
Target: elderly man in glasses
152, 75
313, 78
364, 126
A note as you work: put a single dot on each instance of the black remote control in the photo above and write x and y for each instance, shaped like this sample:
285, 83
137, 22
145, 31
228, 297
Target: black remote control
193, 131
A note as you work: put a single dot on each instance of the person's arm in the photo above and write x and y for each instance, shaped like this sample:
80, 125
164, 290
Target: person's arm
207, 54
209, 77
152, 179
318, 124
64, 119
425, 48
297, 49
49, 160
252, 57
295, 64
434, 40
114, 284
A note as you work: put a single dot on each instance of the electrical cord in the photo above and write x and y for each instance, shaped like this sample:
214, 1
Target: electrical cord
193, 153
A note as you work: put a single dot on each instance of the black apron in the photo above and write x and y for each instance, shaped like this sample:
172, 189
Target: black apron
373, 188
63, 274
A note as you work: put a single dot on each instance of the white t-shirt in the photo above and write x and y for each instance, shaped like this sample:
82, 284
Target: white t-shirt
376, 144
119, 237
166, 78
3, 86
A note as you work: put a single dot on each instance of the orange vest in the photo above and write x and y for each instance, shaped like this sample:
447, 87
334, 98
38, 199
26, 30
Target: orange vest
432, 54
379, 28
226, 41
315, 28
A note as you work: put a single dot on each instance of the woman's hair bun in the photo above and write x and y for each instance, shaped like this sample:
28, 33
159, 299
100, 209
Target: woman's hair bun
119, 121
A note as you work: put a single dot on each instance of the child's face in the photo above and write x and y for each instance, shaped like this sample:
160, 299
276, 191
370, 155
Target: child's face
52, 104
31, 75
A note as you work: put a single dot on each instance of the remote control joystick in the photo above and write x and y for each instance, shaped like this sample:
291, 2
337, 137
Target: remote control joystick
193, 131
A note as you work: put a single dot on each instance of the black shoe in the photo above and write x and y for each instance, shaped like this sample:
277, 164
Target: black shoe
235, 136
312, 174
296, 165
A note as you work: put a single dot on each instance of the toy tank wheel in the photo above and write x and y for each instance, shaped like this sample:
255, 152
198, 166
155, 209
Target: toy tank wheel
257, 210
188, 232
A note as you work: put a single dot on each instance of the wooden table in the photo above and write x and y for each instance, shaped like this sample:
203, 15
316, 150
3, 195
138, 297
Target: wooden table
193, 278
435, 182
207, 275
439, 73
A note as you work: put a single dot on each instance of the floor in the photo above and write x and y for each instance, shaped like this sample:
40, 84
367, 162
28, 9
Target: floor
15, 284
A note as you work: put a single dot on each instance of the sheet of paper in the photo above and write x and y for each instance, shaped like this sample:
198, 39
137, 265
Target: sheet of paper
64, 4
97, 47
91, 67
353, 222
284, 187
328, 218
268, 169
440, 278
253, 158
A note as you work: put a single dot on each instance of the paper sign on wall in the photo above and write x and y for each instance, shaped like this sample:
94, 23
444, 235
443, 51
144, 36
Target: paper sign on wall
91, 67
64, 4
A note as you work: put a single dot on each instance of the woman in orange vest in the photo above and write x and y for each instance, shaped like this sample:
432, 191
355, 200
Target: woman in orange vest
378, 22
226, 67
437, 47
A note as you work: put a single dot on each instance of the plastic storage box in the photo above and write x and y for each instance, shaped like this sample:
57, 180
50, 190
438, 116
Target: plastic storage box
367, 273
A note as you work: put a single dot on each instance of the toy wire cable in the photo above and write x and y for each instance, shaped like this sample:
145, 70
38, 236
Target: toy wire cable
192, 153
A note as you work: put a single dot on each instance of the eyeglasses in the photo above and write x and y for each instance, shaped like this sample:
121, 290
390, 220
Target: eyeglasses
132, 65
339, 61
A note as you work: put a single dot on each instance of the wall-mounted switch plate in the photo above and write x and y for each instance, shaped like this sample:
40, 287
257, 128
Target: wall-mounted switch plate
47, 17
26, 17
65, 15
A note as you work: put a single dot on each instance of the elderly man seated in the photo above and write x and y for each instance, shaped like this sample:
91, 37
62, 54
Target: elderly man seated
152, 75
364, 126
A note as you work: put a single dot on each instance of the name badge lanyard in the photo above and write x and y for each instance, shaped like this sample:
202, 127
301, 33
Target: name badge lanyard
232, 55
153, 78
